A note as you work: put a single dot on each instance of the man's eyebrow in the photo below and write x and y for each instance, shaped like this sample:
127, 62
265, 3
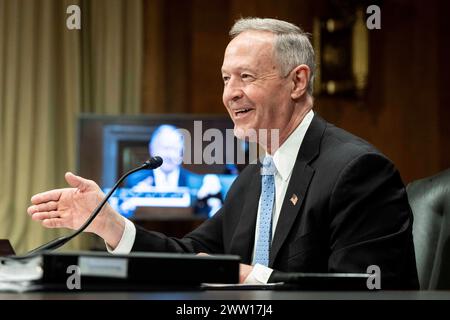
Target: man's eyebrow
240, 69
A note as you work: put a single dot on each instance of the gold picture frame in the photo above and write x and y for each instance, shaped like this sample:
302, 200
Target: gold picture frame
342, 55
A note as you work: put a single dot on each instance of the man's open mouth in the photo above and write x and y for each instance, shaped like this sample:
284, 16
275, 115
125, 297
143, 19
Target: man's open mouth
240, 112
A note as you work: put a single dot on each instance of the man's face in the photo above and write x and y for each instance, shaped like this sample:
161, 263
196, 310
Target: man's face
169, 146
255, 93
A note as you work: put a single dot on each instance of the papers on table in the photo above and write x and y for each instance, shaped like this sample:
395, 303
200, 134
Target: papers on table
20, 275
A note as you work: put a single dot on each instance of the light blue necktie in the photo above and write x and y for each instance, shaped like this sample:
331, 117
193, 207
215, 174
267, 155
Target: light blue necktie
265, 212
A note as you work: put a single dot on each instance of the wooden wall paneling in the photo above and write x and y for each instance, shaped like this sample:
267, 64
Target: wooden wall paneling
295, 11
153, 73
167, 56
444, 83
178, 42
210, 25
399, 114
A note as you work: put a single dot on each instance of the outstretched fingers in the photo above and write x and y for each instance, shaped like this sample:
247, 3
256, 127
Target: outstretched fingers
42, 207
52, 195
40, 216
53, 223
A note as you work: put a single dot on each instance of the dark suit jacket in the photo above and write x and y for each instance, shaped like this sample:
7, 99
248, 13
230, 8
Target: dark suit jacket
352, 212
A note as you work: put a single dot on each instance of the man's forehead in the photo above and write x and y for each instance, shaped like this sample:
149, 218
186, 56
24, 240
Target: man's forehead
168, 136
249, 45
251, 39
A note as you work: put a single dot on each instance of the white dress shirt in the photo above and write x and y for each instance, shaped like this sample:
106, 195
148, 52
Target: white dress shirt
166, 180
159, 179
284, 160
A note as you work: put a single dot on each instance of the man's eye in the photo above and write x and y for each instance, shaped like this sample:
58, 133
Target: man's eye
246, 76
225, 79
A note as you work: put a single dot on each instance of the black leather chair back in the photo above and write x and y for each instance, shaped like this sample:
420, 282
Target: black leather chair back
430, 202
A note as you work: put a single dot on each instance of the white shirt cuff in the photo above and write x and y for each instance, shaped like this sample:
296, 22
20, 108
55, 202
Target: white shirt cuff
127, 240
259, 275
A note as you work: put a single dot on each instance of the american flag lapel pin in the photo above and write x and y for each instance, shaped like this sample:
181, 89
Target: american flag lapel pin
294, 199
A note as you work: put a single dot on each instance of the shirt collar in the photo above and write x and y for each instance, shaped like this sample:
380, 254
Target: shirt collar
173, 176
284, 158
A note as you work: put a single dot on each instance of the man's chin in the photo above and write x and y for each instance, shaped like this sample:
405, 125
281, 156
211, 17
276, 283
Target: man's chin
168, 169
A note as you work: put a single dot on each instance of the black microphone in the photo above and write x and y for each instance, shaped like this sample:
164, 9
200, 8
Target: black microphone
152, 163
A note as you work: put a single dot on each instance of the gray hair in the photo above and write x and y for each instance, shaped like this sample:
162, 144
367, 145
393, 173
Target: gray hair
292, 45
159, 134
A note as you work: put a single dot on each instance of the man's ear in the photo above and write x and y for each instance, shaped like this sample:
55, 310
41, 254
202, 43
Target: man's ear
300, 76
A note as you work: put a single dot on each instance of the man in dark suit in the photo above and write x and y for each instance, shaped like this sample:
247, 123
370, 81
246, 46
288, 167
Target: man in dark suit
323, 201
347, 210
166, 142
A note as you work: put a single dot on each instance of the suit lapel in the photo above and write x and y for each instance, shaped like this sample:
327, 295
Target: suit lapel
241, 243
182, 178
292, 203
302, 174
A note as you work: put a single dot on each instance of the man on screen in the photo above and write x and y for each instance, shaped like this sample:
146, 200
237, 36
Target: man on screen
322, 201
166, 142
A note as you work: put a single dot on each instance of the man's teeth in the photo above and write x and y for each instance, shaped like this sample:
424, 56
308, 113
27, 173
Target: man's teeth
242, 110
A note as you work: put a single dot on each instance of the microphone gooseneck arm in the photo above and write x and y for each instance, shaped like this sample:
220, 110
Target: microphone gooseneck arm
152, 163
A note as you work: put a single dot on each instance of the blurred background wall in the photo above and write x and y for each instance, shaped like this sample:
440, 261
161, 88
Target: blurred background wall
164, 56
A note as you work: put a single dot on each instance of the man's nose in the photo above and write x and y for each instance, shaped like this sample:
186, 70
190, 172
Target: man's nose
232, 91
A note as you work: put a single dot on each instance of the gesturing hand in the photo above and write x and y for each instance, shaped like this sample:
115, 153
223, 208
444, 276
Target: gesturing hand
69, 207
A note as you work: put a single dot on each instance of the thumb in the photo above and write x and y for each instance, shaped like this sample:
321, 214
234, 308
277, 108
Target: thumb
77, 181
202, 254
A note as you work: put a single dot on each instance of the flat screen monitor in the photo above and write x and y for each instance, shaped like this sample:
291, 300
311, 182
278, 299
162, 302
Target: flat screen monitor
201, 159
